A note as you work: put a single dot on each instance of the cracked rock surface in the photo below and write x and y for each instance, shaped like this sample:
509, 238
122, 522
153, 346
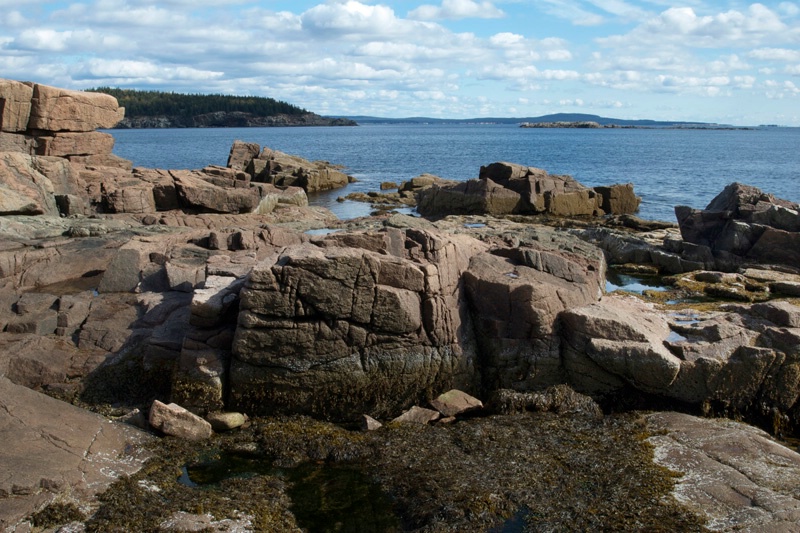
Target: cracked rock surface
733, 474
55, 450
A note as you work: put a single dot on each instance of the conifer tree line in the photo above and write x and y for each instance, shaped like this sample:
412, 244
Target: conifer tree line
157, 103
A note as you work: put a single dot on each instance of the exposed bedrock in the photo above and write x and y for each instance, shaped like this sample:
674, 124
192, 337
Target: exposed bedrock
355, 323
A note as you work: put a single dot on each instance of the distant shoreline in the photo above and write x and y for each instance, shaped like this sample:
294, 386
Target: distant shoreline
595, 125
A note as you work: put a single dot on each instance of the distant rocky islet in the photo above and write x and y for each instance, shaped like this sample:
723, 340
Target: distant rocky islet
198, 298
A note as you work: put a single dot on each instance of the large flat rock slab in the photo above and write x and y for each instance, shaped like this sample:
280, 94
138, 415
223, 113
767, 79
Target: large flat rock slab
733, 474
50, 449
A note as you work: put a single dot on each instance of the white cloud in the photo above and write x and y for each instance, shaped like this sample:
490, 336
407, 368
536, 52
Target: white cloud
789, 8
775, 54
119, 13
727, 64
456, 10
777, 90
351, 17
140, 70
48, 40
13, 19
683, 26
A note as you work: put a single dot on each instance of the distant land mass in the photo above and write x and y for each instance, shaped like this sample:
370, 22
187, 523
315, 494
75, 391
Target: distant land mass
553, 120
157, 109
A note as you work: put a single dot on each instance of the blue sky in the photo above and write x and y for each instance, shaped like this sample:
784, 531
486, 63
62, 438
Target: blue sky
724, 61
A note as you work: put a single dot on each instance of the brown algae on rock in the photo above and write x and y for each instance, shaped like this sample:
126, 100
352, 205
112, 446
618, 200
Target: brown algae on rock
546, 471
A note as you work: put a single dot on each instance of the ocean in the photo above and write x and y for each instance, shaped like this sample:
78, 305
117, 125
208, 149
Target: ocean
667, 167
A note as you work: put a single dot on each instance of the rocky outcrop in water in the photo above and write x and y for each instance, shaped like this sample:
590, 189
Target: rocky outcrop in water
507, 188
742, 225
284, 170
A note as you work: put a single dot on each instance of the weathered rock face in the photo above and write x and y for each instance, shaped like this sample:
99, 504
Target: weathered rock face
508, 188
516, 296
54, 109
24, 190
744, 225
354, 323
741, 362
15, 106
54, 129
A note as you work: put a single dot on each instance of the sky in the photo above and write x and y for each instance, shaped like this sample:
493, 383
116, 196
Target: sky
726, 62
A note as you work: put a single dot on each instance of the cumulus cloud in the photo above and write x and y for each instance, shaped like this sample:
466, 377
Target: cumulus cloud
775, 54
456, 10
127, 71
683, 25
351, 17
14, 19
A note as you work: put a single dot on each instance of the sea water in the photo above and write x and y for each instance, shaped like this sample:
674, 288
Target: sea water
667, 167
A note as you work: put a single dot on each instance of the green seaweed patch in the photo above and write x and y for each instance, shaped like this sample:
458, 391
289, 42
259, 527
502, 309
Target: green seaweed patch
145, 500
57, 514
555, 473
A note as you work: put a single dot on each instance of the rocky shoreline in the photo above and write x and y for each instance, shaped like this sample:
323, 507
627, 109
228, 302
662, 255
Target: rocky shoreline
230, 119
214, 305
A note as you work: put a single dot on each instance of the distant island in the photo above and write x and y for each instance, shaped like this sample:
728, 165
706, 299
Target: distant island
556, 120
157, 109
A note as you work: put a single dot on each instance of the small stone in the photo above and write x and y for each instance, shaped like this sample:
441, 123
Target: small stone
786, 288
455, 402
176, 421
226, 421
369, 424
417, 415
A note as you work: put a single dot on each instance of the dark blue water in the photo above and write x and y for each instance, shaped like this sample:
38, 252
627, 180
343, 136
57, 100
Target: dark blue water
667, 167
